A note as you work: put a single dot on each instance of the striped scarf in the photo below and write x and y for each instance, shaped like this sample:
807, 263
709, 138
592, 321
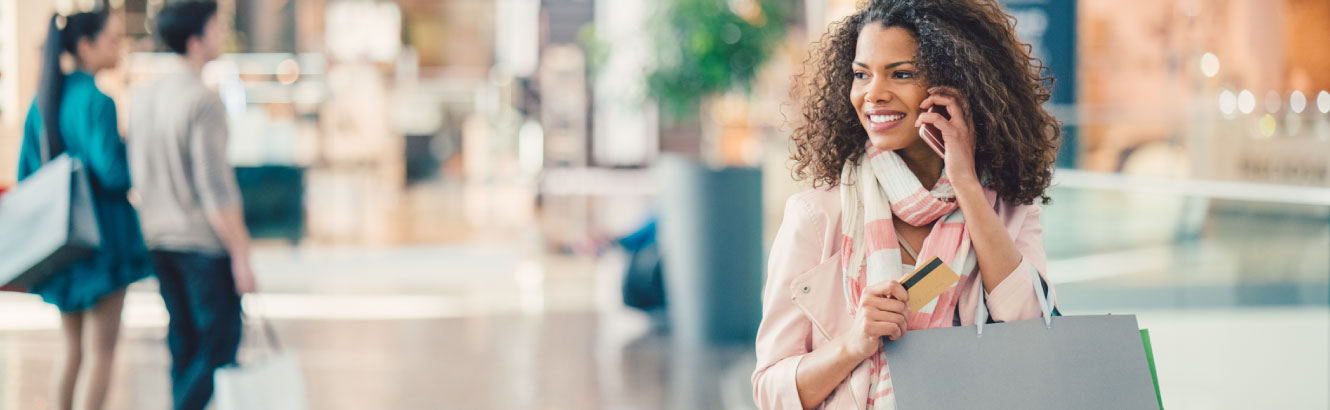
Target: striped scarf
873, 192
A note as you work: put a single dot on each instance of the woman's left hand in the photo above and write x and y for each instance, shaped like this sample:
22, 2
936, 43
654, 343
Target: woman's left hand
957, 134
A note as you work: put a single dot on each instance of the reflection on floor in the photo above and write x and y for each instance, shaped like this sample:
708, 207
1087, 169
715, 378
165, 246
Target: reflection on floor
494, 327
546, 336
498, 362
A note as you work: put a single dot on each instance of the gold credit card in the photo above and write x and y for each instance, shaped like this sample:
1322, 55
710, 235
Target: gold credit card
928, 282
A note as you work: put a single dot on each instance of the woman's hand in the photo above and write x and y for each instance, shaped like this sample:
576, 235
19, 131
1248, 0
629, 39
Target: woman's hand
881, 313
957, 134
994, 247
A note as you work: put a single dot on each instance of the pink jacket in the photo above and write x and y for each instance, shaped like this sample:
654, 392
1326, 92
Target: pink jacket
803, 303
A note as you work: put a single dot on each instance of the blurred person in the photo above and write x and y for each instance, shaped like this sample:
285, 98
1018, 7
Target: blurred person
90, 293
193, 220
832, 297
644, 279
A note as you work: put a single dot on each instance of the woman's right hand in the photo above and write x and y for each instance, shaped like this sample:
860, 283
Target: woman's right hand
881, 313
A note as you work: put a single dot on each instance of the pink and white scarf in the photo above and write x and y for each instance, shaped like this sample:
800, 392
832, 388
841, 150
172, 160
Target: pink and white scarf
875, 190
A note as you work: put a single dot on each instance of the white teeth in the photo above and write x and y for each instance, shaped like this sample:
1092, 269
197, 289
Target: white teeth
885, 118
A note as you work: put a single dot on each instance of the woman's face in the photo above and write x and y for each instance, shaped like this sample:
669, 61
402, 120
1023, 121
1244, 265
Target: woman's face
103, 50
887, 89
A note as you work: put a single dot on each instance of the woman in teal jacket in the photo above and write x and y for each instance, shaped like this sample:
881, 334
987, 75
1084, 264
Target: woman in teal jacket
91, 292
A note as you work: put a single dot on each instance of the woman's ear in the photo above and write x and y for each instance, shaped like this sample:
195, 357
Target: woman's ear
84, 49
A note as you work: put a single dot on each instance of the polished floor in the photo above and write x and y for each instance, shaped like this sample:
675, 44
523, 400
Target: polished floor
1236, 297
499, 362
546, 336
553, 337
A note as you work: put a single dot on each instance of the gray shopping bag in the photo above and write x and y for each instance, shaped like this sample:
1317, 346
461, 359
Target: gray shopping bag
1063, 362
46, 222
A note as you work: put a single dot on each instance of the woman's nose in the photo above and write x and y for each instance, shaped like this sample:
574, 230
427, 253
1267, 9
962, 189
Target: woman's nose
877, 93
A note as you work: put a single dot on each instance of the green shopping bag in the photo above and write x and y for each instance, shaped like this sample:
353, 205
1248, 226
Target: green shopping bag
1150, 358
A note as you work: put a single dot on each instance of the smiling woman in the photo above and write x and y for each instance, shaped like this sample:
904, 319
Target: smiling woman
970, 46
884, 201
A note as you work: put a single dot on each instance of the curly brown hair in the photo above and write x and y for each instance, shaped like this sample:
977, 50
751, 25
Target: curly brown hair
970, 45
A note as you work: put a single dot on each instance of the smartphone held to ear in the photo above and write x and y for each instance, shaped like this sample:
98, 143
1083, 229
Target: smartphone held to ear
932, 135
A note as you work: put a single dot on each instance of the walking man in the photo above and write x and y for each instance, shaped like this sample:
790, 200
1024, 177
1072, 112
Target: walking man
189, 204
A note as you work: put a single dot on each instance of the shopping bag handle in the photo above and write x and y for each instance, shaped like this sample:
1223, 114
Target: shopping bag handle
266, 325
981, 308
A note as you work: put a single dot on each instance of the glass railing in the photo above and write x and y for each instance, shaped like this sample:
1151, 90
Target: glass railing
1233, 281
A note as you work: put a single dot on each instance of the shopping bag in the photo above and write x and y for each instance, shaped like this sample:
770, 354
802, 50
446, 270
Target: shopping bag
1150, 358
1063, 362
46, 222
272, 382
8, 288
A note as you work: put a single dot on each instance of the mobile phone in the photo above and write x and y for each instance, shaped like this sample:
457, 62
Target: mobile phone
933, 136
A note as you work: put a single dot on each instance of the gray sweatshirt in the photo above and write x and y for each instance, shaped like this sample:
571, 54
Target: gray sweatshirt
177, 162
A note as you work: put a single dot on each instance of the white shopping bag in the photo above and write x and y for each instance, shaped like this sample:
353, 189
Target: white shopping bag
272, 382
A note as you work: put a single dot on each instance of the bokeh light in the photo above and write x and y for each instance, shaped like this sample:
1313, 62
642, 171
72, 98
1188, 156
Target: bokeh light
288, 71
1209, 64
1267, 125
1246, 101
1227, 102
1297, 102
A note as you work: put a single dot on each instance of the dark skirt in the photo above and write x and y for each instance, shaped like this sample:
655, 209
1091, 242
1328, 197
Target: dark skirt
122, 259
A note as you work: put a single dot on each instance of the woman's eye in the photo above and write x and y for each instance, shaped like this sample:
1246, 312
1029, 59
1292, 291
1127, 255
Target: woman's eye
902, 75
860, 75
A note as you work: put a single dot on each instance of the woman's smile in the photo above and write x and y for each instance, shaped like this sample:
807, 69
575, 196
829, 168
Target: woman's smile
882, 120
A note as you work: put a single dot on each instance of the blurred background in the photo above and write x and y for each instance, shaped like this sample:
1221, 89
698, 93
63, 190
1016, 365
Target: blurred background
457, 202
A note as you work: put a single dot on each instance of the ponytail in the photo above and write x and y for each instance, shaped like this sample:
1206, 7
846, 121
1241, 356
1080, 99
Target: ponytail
49, 89
62, 36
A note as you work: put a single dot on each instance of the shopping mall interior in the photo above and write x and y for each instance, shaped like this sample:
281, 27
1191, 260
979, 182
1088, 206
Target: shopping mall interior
448, 197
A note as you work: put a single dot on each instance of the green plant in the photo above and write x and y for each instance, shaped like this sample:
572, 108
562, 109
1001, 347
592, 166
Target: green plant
706, 47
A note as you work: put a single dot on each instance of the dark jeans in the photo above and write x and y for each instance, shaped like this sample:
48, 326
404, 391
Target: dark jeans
204, 333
